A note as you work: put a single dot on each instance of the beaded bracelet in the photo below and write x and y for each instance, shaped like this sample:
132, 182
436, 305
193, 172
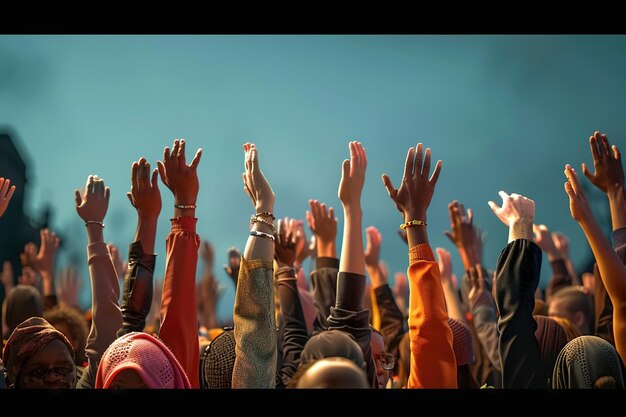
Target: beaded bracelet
412, 223
185, 206
255, 219
267, 214
261, 234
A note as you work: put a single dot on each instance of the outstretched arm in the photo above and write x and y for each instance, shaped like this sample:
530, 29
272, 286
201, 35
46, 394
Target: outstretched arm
92, 206
145, 197
433, 364
323, 223
42, 261
453, 303
179, 318
255, 324
611, 268
518, 269
295, 334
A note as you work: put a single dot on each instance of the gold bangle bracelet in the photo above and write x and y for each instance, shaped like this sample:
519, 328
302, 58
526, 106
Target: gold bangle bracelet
412, 223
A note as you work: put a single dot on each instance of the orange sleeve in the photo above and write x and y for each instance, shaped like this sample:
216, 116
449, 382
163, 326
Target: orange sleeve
433, 364
179, 317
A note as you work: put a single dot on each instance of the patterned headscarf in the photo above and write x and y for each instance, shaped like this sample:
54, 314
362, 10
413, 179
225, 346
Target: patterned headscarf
146, 355
584, 360
217, 361
28, 338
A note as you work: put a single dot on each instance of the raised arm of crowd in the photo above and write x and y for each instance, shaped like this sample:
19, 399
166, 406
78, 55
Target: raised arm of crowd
309, 316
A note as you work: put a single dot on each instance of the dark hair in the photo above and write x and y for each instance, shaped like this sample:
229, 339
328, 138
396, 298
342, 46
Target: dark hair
76, 324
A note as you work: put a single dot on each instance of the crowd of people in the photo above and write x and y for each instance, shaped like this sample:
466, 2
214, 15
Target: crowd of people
333, 328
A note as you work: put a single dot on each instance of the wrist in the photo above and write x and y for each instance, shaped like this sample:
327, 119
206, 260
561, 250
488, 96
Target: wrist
352, 208
264, 207
414, 215
326, 249
616, 192
521, 229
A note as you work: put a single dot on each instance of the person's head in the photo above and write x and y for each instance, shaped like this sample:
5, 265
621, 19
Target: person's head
334, 372
23, 302
573, 304
384, 360
571, 331
332, 343
72, 324
588, 362
39, 356
551, 338
138, 360
217, 360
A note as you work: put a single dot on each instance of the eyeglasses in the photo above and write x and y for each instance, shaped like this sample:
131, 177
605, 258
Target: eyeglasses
387, 360
41, 373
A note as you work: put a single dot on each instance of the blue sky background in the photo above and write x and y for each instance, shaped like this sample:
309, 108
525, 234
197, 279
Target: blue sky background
502, 112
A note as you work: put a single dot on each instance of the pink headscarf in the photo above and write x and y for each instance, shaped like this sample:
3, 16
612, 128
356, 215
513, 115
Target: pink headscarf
146, 355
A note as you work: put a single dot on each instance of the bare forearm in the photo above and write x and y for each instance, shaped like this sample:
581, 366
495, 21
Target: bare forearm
453, 304
611, 268
376, 276
326, 248
617, 204
146, 234
48, 283
352, 257
260, 247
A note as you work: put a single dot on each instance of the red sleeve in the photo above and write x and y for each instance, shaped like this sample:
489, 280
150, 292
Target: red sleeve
179, 318
433, 364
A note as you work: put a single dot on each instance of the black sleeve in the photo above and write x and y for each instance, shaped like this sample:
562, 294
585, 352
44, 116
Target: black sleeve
349, 316
519, 266
391, 319
137, 295
295, 334
324, 287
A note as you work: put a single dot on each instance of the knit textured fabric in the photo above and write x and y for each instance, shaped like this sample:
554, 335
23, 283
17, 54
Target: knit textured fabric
146, 355
462, 342
585, 359
217, 362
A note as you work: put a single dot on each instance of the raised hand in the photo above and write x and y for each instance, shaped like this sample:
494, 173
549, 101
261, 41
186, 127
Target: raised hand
578, 203
416, 191
561, 242
144, 192
518, 213
234, 261
68, 287
180, 178
515, 208
445, 266
478, 294
464, 235
285, 245
5, 194
255, 184
42, 261
28, 277
372, 249
93, 204
543, 239
353, 176
401, 291
323, 223
303, 248
607, 162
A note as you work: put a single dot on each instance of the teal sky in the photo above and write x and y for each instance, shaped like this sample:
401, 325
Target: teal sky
502, 112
